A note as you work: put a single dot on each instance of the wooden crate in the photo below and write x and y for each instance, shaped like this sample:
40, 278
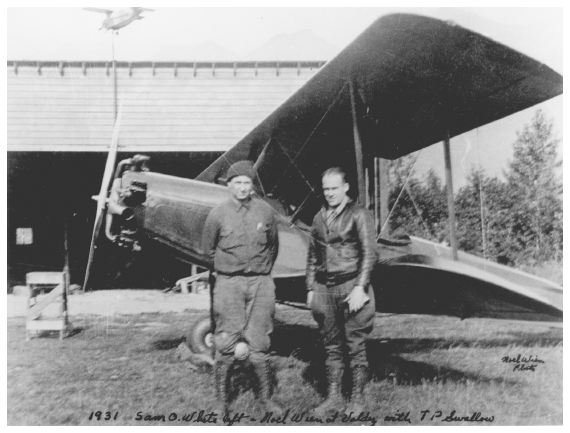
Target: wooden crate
57, 284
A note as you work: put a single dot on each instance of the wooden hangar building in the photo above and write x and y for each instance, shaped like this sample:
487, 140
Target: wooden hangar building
60, 122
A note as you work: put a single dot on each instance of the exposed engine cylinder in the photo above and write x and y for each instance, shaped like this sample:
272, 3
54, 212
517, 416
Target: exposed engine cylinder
124, 212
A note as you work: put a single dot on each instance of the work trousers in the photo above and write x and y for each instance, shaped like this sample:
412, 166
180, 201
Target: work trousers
340, 329
244, 307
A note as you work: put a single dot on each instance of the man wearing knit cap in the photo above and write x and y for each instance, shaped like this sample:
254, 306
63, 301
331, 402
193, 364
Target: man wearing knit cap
240, 240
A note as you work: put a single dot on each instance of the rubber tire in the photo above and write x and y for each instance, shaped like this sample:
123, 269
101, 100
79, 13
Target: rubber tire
197, 336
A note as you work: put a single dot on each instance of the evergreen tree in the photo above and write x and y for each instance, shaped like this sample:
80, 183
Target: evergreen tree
517, 222
433, 201
485, 199
420, 206
536, 190
403, 188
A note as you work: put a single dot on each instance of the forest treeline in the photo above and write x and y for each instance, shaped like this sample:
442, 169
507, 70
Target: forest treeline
515, 221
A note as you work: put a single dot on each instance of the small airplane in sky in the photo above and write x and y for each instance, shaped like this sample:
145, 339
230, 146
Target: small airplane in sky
119, 18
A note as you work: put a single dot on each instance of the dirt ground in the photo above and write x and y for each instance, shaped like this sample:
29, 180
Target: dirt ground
110, 302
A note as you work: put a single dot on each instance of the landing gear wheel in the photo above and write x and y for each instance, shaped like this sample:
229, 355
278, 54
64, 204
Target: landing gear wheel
200, 338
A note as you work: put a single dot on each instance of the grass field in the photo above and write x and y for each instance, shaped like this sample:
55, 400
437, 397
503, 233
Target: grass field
125, 365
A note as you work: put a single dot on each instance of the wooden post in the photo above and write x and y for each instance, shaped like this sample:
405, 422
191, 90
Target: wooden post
65, 290
371, 183
212, 283
367, 186
66, 280
114, 75
450, 203
28, 305
194, 283
357, 148
377, 222
384, 195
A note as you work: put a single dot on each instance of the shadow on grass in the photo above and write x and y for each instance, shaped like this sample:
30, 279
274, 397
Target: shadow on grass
540, 340
302, 343
414, 345
385, 364
242, 378
295, 342
74, 332
168, 344
55, 334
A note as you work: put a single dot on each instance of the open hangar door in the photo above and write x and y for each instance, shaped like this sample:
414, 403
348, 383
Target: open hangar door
49, 191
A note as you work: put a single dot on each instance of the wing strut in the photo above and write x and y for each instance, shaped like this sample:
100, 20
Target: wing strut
259, 161
382, 195
362, 192
450, 204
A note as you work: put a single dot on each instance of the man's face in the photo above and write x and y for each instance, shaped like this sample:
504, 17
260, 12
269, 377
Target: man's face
240, 187
335, 189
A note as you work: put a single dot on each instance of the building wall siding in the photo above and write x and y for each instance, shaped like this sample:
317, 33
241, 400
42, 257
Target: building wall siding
189, 107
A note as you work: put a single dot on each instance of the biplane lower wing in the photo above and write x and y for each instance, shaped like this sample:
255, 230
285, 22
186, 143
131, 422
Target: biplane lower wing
421, 278
419, 284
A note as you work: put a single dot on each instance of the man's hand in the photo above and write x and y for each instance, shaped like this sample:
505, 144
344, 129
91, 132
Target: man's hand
309, 298
356, 299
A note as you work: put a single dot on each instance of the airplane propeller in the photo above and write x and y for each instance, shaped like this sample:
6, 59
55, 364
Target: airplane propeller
103, 193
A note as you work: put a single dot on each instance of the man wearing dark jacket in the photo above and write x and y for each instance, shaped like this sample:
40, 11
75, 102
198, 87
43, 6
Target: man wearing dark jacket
342, 255
240, 240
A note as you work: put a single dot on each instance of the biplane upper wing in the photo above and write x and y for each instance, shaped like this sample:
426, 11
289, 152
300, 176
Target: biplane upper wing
405, 83
411, 80
103, 11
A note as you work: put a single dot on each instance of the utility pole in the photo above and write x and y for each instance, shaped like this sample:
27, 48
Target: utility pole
114, 74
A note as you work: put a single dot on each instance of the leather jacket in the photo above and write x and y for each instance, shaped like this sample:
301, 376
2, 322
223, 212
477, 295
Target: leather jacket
343, 250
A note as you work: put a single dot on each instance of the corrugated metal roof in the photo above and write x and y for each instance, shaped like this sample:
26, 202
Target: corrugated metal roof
167, 106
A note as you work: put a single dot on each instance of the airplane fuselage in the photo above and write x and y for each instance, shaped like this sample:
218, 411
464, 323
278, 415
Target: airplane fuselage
121, 18
175, 212
411, 277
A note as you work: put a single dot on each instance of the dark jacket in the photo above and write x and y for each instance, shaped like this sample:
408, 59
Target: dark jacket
343, 250
241, 238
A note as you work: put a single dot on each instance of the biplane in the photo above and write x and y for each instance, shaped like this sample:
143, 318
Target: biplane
405, 83
119, 18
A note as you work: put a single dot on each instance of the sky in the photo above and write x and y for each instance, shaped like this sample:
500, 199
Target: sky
71, 33
50, 33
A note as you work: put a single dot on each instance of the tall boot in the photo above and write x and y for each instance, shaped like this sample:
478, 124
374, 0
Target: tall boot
334, 401
356, 405
221, 368
264, 395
